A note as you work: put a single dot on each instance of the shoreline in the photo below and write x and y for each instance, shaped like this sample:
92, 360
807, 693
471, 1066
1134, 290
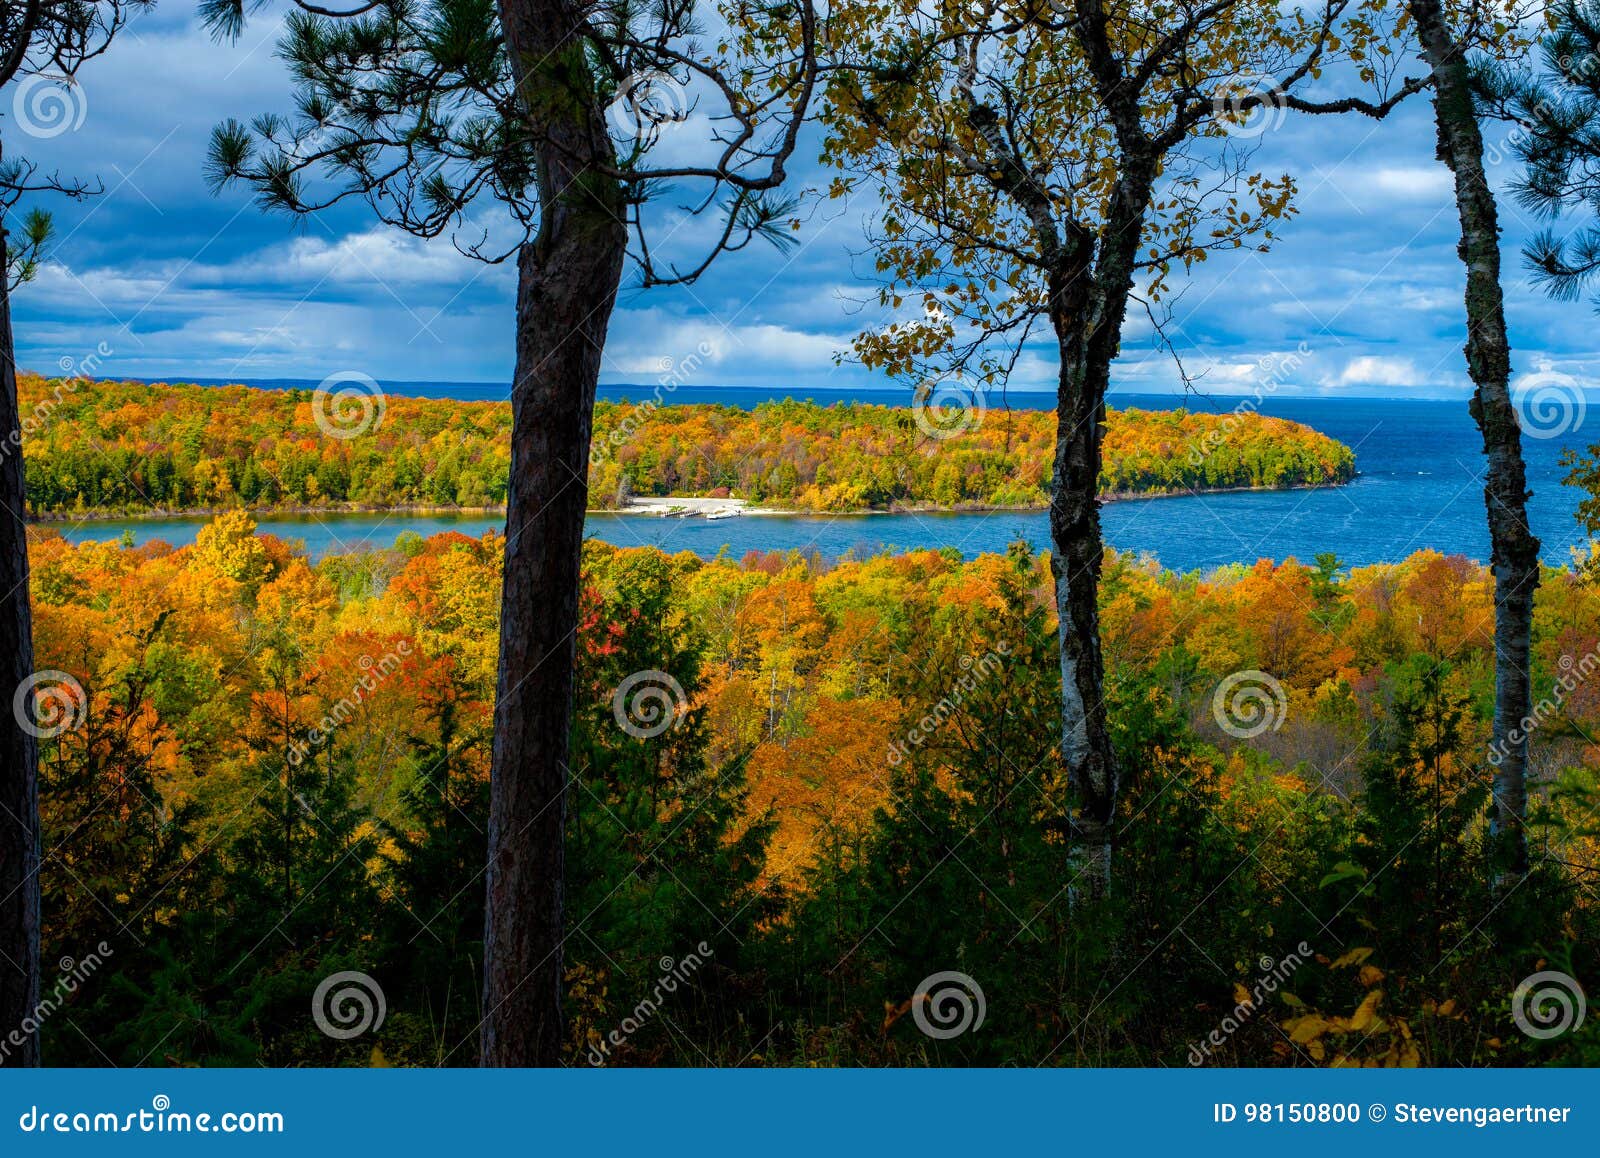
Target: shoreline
690, 507
664, 506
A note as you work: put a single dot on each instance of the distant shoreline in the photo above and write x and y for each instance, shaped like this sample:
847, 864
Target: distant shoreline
1020, 397
658, 506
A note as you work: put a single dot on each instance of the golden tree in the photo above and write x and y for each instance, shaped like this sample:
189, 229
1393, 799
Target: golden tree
1038, 162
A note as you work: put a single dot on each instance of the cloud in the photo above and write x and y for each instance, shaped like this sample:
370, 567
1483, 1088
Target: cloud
184, 283
377, 256
1381, 370
1413, 182
647, 343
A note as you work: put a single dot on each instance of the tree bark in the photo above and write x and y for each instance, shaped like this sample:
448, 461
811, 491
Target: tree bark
1075, 561
19, 754
1088, 301
1514, 550
568, 277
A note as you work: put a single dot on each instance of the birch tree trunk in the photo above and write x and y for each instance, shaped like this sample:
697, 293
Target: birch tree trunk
567, 283
1088, 303
19, 756
1514, 550
1076, 554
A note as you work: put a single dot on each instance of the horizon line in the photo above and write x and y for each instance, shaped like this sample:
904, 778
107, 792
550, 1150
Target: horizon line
1349, 393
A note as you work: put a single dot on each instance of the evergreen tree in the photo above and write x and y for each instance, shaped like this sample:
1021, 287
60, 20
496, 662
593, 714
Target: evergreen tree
430, 111
433, 924
666, 862
1554, 110
299, 904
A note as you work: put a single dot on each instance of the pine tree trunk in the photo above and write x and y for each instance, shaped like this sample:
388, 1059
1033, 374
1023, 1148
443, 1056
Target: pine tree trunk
567, 282
19, 755
1514, 550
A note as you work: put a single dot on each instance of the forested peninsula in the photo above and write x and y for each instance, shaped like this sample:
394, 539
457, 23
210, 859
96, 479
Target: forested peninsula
121, 448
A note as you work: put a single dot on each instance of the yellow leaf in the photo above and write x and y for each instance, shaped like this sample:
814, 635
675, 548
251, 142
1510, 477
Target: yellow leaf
1306, 1029
1365, 1019
1354, 957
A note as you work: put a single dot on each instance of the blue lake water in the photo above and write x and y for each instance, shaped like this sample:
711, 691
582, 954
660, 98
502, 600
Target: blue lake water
1420, 485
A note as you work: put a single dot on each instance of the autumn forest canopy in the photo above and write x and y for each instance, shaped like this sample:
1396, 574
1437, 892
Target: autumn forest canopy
121, 447
270, 742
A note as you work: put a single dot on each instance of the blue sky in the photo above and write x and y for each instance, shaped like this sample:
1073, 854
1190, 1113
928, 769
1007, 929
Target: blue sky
177, 283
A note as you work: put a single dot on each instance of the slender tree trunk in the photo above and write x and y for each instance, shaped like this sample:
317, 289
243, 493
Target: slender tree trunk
1088, 304
1514, 550
567, 282
1075, 560
19, 754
